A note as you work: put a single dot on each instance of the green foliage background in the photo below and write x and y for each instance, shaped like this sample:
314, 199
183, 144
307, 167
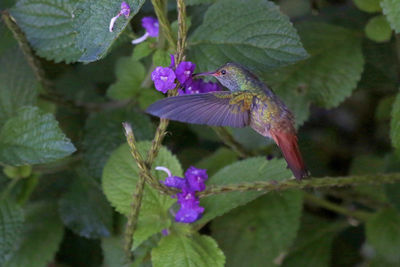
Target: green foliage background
67, 175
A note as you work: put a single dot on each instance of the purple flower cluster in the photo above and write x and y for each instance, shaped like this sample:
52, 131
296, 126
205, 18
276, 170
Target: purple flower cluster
184, 74
190, 209
125, 10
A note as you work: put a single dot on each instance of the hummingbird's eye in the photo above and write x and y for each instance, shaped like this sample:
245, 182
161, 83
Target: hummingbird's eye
223, 72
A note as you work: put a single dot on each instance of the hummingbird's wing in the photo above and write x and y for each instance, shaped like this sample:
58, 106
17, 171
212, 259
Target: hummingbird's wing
214, 109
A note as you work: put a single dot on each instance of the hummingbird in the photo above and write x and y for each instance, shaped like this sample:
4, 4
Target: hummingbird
249, 102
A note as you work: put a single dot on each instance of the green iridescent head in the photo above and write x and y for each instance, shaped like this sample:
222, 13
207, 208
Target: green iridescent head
233, 76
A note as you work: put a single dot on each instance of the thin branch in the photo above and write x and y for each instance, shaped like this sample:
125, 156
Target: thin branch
133, 216
356, 214
33, 62
230, 141
165, 26
182, 30
350, 195
11, 184
306, 183
145, 166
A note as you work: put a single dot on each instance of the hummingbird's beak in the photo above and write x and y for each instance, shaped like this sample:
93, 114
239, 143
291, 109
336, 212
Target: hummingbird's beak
204, 74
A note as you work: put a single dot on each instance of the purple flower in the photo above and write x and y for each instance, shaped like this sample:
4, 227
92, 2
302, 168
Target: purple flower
172, 57
189, 215
199, 86
193, 87
163, 78
165, 232
184, 71
151, 26
210, 87
196, 178
175, 181
124, 10
190, 209
187, 199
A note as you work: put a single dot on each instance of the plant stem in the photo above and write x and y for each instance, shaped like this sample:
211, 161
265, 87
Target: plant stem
180, 50
144, 169
359, 215
133, 216
306, 183
182, 31
356, 197
28, 188
33, 62
145, 166
165, 27
8, 188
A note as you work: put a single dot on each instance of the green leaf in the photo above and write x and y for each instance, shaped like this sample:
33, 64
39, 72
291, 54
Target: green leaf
32, 137
395, 123
391, 8
197, 2
48, 25
148, 96
220, 158
392, 194
7, 40
370, 6
256, 234
367, 164
250, 139
71, 30
245, 171
115, 256
384, 108
42, 234
327, 77
11, 225
161, 58
379, 261
85, 210
253, 33
142, 50
392, 190
104, 133
17, 172
378, 29
313, 243
180, 251
119, 180
130, 74
6, 4
113, 252
92, 18
18, 86
383, 233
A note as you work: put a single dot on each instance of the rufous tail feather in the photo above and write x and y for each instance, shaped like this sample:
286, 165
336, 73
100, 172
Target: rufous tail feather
287, 142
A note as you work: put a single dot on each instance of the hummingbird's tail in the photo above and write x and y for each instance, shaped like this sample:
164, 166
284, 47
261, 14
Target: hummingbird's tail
287, 142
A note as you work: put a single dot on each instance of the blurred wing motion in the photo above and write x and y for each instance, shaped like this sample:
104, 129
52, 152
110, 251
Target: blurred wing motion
214, 109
